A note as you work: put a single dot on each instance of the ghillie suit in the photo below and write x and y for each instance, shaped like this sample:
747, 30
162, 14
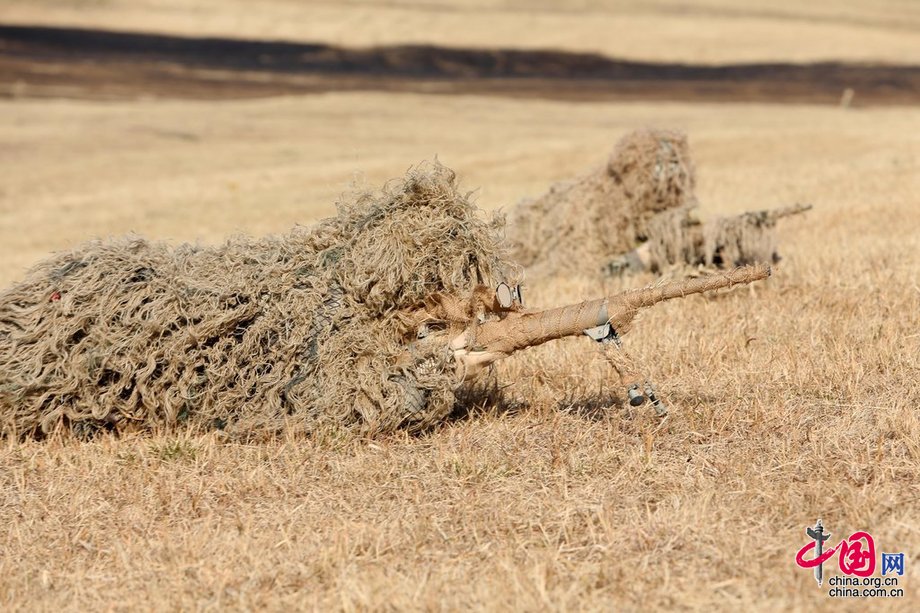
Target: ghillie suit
368, 321
580, 225
637, 213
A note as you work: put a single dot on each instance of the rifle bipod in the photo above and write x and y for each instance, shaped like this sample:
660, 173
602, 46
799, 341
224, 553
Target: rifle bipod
612, 348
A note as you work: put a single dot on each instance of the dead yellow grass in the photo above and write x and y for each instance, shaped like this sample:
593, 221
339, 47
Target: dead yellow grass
707, 31
798, 401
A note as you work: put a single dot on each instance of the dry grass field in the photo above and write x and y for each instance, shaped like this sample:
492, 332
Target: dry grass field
797, 400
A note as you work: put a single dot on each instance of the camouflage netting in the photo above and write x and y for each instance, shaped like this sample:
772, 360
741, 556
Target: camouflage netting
582, 224
294, 332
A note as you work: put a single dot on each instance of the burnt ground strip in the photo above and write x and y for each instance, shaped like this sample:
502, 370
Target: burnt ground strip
38, 61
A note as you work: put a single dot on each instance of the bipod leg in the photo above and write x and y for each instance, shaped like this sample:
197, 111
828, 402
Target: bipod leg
660, 409
616, 357
625, 369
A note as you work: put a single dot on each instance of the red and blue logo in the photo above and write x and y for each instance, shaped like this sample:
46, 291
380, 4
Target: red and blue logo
857, 560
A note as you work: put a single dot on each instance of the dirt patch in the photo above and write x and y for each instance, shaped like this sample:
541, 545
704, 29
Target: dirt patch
42, 61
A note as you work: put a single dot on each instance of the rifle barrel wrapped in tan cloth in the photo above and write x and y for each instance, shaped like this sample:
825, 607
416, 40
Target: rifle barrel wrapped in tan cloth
485, 343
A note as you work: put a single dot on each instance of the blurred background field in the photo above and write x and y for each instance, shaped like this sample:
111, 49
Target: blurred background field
709, 31
796, 401
194, 170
